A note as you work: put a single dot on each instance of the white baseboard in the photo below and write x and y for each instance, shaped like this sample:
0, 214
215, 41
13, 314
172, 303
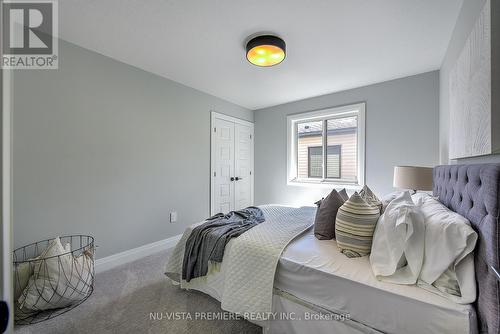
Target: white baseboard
130, 255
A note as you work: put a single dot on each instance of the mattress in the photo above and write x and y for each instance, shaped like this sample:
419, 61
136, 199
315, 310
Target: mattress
315, 271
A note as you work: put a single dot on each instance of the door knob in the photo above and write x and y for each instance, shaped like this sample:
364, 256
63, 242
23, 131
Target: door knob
238, 178
232, 178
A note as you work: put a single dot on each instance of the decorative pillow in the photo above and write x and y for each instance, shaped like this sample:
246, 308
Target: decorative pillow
369, 196
354, 227
343, 194
324, 223
25, 270
59, 279
398, 242
21, 278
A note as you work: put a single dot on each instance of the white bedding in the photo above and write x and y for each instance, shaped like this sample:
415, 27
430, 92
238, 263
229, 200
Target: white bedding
318, 274
398, 243
315, 271
448, 266
243, 283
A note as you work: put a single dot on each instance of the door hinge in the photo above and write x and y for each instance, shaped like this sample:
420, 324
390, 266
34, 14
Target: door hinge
250, 172
215, 129
250, 136
215, 174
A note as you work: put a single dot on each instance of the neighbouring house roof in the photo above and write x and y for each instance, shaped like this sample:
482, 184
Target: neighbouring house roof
339, 125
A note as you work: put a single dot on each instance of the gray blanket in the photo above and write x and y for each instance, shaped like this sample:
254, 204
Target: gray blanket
208, 241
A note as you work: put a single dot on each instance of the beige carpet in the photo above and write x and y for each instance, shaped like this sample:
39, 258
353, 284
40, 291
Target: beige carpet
125, 296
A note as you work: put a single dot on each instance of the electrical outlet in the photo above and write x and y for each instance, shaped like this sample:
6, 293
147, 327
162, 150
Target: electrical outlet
173, 217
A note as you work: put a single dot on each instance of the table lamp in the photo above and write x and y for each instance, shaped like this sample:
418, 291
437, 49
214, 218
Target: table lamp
413, 177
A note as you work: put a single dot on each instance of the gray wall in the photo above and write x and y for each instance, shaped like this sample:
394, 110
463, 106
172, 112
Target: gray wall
106, 149
466, 20
401, 129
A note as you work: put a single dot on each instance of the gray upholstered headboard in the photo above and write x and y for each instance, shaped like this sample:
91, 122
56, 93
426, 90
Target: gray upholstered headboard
473, 191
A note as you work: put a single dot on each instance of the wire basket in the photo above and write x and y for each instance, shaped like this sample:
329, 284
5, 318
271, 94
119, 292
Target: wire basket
46, 286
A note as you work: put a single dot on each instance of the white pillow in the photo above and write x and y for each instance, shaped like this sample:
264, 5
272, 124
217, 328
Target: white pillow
389, 198
448, 267
25, 270
58, 281
398, 243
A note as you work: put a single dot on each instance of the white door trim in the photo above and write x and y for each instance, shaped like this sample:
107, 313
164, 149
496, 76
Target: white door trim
6, 222
6, 290
213, 116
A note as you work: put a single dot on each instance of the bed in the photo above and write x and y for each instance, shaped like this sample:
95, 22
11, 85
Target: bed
315, 272
315, 288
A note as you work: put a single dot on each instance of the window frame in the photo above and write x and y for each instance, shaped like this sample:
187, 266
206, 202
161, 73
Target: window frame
359, 110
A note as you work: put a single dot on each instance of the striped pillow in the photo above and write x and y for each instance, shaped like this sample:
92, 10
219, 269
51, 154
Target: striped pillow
354, 227
367, 194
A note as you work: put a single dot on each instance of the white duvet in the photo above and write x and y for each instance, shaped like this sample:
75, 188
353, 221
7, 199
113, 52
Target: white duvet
244, 281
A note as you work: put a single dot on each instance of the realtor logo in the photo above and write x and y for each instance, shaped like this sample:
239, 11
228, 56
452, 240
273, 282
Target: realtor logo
29, 34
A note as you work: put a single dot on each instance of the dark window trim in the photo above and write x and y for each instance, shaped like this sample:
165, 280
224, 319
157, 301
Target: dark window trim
325, 161
309, 162
340, 162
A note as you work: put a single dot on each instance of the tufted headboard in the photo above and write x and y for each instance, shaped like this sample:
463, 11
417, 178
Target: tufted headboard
473, 191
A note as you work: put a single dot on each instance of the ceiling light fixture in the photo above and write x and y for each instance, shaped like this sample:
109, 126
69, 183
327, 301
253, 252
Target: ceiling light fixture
266, 50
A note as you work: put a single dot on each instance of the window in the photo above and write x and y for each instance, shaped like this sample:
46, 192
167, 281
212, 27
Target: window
327, 146
315, 161
315, 155
333, 162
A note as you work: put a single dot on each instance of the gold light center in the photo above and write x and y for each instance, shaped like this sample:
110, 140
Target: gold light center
265, 55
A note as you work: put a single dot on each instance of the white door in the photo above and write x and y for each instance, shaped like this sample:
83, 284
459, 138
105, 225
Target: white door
232, 164
243, 166
223, 173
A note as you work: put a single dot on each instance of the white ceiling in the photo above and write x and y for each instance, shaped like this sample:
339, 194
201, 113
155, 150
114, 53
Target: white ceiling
332, 45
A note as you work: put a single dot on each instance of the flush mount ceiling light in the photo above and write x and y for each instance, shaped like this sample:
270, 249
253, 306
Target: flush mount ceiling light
266, 50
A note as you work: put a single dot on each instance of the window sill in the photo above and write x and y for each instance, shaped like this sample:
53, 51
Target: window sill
324, 184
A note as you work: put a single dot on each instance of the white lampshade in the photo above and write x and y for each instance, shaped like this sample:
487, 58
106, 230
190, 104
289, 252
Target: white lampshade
411, 177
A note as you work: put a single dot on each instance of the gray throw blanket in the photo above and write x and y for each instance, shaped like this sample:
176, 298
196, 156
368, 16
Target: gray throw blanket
208, 241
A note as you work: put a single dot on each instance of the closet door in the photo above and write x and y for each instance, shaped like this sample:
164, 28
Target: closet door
243, 166
231, 186
222, 166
